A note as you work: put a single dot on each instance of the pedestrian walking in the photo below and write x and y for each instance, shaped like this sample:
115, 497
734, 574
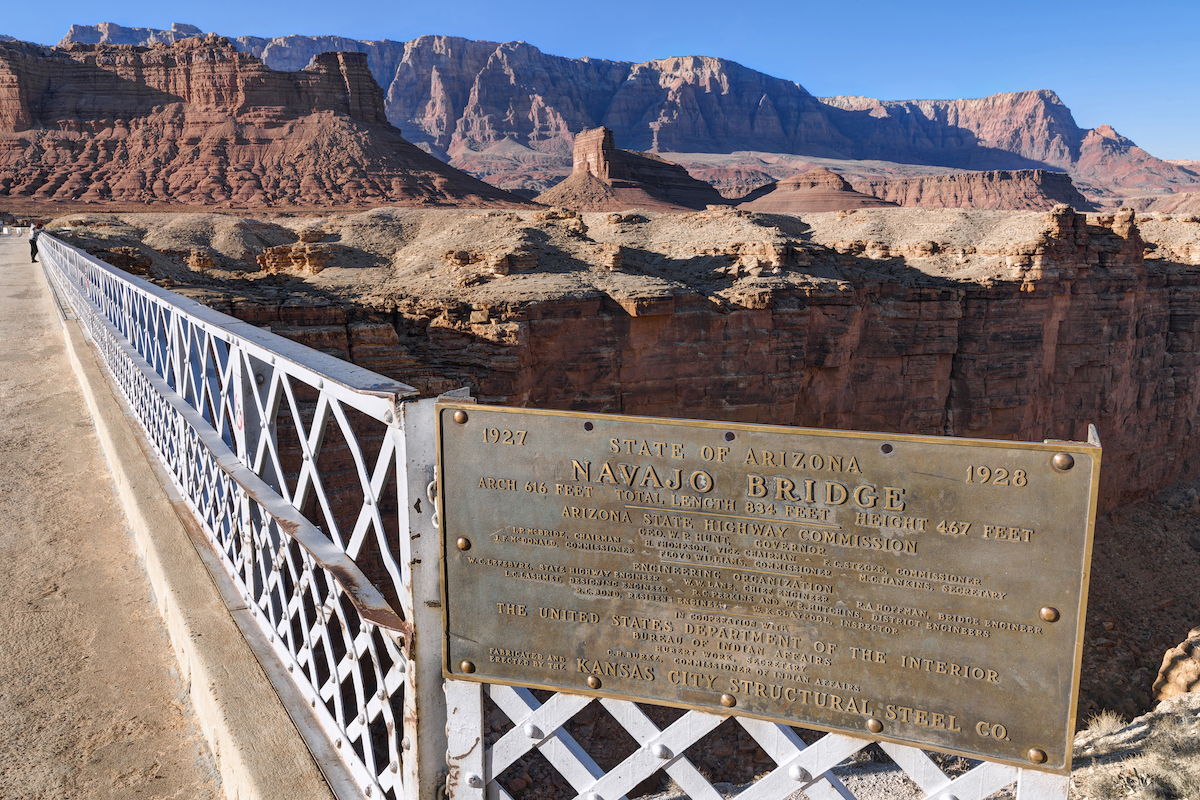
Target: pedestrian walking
33, 237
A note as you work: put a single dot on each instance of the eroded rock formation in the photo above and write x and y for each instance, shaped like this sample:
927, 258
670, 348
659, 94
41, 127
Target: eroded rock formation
604, 178
818, 189
1180, 671
1013, 190
197, 122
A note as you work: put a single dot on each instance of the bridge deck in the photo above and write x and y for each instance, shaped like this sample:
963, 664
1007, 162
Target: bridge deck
91, 704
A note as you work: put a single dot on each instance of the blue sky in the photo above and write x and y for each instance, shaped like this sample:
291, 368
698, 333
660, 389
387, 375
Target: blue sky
1132, 65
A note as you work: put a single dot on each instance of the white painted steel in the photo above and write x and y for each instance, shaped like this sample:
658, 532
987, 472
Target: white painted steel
1042, 786
420, 554
239, 418
465, 746
474, 765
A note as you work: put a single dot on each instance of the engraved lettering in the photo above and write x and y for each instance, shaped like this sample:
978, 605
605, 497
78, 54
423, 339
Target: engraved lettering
602, 514
511, 609
950, 669
651, 477
1009, 533
863, 654
843, 539
865, 497
609, 669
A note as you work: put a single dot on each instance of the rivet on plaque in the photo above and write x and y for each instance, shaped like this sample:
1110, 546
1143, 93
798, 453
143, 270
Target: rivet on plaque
728, 700
463, 543
467, 667
1063, 462
1049, 614
874, 726
593, 682
460, 416
1036, 754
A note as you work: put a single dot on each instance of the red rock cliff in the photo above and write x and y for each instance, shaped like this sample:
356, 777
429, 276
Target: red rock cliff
1014, 190
1091, 334
459, 96
199, 122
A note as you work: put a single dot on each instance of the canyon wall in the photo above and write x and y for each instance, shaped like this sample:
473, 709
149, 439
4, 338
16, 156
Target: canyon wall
1091, 333
1026, 189
198, 122
459, 97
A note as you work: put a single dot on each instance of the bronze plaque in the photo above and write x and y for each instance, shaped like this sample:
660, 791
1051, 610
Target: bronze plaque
924, 590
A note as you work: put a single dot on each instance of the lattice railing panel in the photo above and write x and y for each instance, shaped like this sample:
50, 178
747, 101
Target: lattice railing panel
475, 766
213, 402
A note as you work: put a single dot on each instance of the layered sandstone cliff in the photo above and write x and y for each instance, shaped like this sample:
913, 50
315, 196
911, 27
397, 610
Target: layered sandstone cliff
459, 98
1176, 203
1014, 190
197, 122
1022, 325
976, 133
112, 33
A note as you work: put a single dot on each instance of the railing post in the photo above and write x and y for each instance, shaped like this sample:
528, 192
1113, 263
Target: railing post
1033, 785
465, 754
424, 702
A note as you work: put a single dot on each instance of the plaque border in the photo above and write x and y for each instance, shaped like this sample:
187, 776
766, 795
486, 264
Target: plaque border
1091, 448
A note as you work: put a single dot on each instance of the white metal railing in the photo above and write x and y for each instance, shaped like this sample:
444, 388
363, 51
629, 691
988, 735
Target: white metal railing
306, 473
530, 725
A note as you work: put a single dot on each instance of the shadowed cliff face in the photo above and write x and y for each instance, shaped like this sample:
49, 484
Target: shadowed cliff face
1004, 325
459, 97
199, 122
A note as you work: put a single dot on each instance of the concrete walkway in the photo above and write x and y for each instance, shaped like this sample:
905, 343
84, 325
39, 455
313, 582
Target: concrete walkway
91, 703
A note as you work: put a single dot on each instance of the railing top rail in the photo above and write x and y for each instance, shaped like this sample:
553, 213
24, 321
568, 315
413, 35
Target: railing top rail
257, 341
